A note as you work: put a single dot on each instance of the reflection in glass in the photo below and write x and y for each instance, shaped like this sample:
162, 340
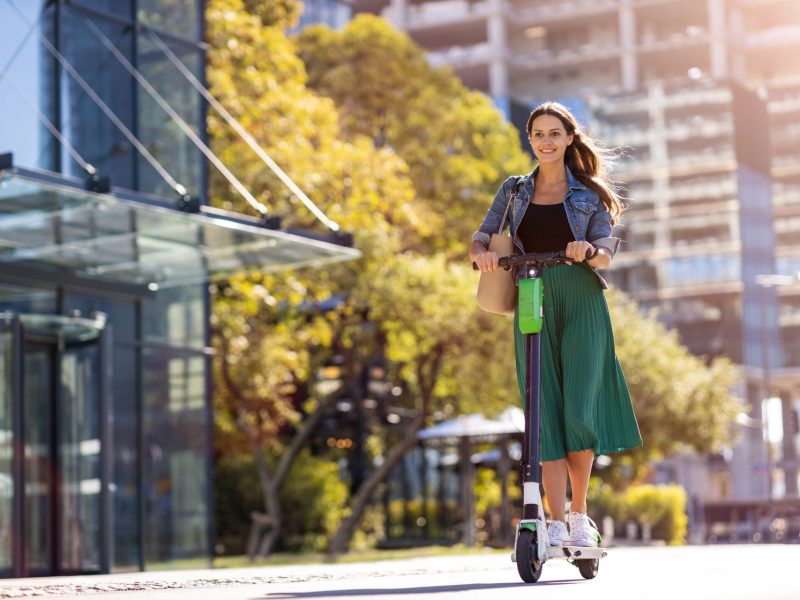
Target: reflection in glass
6, 453
94, 136
179, 18
176, 457
125, 496
117, 8
38, 417
79, 457
176, 317
18, 299
162, 136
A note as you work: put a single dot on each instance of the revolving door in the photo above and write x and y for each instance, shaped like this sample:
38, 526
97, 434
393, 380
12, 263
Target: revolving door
54, 423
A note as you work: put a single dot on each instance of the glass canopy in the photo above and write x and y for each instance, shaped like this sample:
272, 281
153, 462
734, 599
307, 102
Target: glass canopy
53, 221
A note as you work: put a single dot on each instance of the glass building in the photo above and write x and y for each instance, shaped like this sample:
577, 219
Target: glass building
105, 415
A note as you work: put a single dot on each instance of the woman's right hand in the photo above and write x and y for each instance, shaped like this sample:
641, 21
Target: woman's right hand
487, 261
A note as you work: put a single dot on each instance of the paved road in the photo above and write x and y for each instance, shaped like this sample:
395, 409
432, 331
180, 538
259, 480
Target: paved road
756, 572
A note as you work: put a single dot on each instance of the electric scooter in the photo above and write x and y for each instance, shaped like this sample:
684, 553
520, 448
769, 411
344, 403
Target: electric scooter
531, 549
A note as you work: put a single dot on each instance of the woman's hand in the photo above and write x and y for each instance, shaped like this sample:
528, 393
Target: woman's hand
577, 250
486, 261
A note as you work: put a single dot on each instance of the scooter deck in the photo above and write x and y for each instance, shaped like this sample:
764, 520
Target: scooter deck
575, 552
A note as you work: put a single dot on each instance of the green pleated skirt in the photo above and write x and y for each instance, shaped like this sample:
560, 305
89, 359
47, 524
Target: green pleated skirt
585, 403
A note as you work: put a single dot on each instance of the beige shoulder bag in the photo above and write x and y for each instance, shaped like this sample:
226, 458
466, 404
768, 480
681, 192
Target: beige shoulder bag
496, 290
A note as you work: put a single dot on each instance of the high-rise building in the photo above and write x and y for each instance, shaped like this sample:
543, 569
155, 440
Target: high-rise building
704, 99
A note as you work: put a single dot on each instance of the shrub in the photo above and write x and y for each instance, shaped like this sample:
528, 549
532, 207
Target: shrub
663, 507
313, 500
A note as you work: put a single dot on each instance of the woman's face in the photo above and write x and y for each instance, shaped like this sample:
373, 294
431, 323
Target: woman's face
549, 139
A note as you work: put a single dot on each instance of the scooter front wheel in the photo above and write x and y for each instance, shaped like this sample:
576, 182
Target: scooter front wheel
588, 567
529, 566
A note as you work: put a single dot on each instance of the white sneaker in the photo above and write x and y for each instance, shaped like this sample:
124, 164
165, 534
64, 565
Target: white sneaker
557, 534
583, 530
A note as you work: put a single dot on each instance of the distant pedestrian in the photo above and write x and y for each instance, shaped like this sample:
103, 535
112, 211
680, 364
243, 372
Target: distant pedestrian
567, 203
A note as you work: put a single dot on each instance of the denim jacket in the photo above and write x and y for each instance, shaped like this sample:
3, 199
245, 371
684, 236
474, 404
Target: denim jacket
587, 216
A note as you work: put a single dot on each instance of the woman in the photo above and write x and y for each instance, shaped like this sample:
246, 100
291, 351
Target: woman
567, 203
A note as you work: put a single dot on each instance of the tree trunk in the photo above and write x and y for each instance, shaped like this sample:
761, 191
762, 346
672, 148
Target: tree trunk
272, 504
271, 485
341, 539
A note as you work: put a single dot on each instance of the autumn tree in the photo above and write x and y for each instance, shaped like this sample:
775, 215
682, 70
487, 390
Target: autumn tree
456, 144
267, 331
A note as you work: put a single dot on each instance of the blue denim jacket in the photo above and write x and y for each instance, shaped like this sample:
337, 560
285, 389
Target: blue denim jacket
587, 216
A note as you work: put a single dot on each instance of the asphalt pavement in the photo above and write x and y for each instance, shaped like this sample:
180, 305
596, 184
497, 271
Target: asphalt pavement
734, 572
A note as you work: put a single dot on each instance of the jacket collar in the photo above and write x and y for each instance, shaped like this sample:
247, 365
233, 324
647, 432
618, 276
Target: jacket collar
573, 183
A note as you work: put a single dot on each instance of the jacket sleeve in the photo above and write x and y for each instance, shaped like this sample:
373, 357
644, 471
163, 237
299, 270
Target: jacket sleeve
494, 216
598, 232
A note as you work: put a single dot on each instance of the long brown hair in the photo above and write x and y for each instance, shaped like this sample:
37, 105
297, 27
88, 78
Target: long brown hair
588, 162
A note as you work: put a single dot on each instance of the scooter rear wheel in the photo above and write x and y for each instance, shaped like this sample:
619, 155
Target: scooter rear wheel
529, 566
588, 567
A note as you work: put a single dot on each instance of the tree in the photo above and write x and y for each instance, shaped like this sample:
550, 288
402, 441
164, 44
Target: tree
455, 142
267, 330
267, 346
429, 320
680, 399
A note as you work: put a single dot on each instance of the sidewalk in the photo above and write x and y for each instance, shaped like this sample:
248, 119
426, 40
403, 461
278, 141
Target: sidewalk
215, 578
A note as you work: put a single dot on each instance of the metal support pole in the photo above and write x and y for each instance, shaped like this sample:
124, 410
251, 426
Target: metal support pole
106, 452
19, 568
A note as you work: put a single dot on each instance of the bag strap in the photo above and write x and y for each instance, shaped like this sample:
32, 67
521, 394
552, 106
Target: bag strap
513, 196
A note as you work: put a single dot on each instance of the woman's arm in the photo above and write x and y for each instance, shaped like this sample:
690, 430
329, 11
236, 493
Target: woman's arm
598, 233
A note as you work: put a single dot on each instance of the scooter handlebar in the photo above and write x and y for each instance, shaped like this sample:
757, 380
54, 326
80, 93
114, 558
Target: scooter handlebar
547, 258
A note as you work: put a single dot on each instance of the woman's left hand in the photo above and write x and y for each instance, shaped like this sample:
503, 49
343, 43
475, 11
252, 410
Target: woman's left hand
577, 250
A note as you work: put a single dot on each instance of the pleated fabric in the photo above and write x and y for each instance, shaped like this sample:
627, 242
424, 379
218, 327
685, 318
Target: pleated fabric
585, 402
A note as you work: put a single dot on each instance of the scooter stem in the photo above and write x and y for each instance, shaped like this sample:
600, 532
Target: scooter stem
532, 470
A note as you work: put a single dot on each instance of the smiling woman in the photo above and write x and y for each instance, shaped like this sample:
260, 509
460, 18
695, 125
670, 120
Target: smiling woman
567, 204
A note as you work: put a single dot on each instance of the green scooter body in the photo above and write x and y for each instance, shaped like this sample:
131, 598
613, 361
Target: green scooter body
530, 297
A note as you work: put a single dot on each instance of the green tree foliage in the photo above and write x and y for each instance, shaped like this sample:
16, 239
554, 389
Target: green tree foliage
680, 400
454, 141
314, 499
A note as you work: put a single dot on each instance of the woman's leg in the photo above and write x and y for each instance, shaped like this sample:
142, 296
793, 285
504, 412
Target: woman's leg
554, 479
579, 465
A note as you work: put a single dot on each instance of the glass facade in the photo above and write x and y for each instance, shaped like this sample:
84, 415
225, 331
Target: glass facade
6, 453
115, 415
35, 81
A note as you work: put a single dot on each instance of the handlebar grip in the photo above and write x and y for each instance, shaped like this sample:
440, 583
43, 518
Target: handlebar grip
475, 266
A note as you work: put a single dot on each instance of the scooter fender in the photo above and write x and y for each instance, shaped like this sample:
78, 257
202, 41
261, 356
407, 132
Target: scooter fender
539, 527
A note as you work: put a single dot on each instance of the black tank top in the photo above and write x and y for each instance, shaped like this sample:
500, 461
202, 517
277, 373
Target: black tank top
545, 228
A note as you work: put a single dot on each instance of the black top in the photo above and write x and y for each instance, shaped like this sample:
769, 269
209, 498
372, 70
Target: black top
545, 228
